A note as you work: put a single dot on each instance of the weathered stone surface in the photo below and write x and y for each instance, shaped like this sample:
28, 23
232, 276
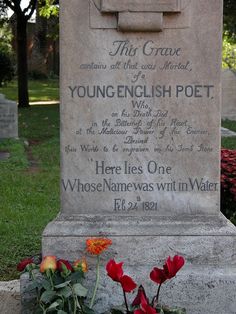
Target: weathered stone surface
8, 118
108, 20
227, 133
140, 22
27, 297
140, 5
140, 147
10, 297
228, 95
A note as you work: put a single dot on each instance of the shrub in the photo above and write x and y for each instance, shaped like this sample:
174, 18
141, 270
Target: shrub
228, 53
228, 183
6, 66
37, 75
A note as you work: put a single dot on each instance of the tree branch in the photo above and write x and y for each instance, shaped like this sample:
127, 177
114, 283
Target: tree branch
31, 7
10, 5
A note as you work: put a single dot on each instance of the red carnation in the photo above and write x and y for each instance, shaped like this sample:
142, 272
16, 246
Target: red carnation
21, 266
114, 270
67, 264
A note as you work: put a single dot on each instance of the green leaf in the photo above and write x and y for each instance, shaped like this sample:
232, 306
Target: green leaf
175, 311
167, 310
56, 305
47, 296
65, 292
80, 290
87, 310
46, 284
114, 311
61, 312
31, 286
76, 277
61, 285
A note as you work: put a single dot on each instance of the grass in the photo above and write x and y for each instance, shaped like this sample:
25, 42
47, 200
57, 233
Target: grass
29, 186
39, 90
229, 124
229, 142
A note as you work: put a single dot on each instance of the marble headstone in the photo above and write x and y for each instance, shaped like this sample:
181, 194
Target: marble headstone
140, 145
8, 118
228, 94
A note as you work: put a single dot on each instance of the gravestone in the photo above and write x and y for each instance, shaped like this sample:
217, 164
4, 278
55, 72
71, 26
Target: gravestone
8, 118
228, 94
140, 142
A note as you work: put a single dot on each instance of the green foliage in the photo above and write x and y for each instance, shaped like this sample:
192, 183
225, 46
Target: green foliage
6, 54
37, 75
167, 310
6, 66
5, 38
66, 297
48, 8
228, 53
229, 18
161, 309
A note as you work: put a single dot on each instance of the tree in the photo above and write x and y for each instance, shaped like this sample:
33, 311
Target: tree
230, 19
22, 18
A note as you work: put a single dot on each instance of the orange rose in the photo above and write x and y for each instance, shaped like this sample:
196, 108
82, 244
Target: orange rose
81, 265
96, 246
48, 263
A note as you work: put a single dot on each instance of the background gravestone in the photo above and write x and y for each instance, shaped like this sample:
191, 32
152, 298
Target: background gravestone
228, 94
8, 118
140, 142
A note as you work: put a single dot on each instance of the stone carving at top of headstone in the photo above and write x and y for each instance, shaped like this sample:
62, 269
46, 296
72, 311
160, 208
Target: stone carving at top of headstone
8, 118
140, 141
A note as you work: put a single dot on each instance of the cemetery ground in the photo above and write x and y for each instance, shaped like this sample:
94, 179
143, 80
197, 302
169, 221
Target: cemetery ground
29, 185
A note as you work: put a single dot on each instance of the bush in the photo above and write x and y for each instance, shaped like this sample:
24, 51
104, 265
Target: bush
37, 75
228, 183
228, 53
7, 69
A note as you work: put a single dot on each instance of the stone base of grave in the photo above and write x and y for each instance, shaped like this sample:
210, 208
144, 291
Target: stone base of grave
207, 282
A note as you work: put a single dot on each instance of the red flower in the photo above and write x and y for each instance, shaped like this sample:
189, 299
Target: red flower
173, 266
21, 266
61, 262
137, 299
127, 283
114, 270
158, 275
145, 308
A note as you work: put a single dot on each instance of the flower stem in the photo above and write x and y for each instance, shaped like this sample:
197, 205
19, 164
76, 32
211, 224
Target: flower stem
126, 303
51, 282
96, 283
74, 299
158, 292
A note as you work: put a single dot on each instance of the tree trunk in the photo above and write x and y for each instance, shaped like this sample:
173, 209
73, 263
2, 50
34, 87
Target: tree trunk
22, 65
